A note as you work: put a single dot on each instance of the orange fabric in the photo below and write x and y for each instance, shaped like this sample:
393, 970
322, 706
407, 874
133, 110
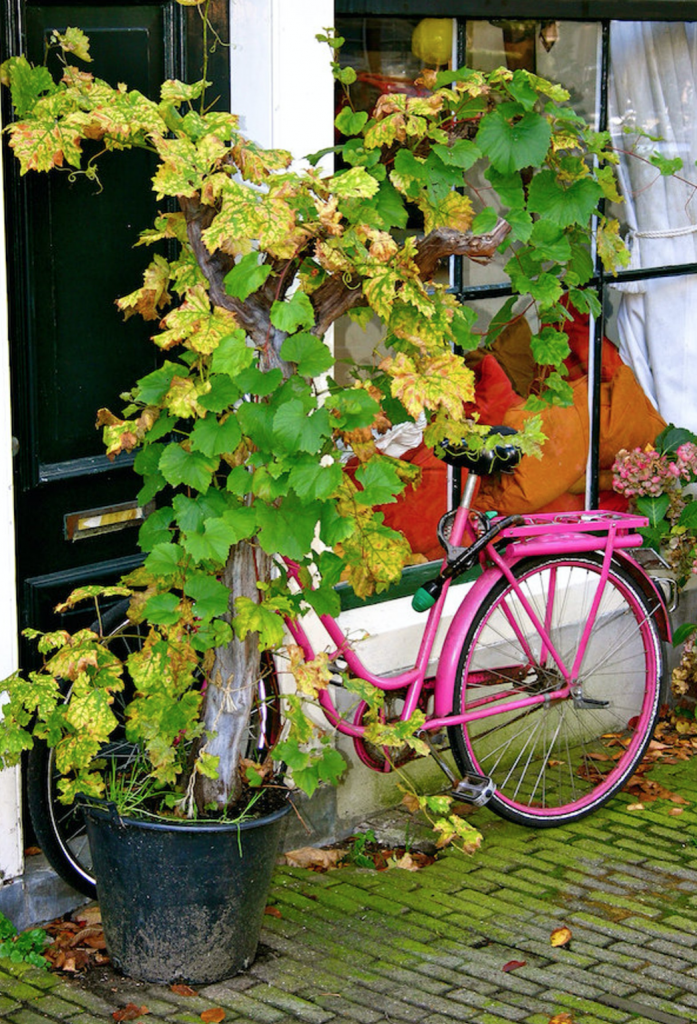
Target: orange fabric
627, 420
493, 393
577, 363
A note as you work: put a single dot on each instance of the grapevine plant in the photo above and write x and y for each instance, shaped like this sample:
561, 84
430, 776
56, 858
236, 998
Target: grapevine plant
241, 433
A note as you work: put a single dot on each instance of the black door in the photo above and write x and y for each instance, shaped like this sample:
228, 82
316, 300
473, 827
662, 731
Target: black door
71, 255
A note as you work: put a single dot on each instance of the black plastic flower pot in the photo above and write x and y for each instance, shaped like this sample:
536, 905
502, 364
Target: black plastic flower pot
182, 902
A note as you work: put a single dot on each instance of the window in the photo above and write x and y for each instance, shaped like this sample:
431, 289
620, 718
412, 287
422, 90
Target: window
637, 79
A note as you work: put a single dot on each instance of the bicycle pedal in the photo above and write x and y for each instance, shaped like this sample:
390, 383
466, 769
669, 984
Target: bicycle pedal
474, 789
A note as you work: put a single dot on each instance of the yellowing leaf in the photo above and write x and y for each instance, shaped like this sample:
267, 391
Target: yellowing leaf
560, 937
74, 41
195, 324
443, 381
611, 248
454, 211
148, 300
310, 676
42, 146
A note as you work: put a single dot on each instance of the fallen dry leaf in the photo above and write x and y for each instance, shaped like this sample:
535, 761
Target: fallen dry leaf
406, 863
314, 858
89, 915
513, 965
561, 1018
214, 1015
273, 912
674, 811
560, 936
130, 1012
411, 802
635, 807
183, 990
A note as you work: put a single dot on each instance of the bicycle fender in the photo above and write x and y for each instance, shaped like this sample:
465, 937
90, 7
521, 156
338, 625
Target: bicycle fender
652, 593
444, 689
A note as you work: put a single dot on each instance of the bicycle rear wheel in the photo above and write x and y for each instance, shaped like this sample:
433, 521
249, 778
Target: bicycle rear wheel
60, 830
559, 760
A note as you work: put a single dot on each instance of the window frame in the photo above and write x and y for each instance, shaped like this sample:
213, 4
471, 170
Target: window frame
602, 12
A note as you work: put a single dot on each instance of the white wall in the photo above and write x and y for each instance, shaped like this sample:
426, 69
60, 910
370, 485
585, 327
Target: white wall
281, 82
10, 806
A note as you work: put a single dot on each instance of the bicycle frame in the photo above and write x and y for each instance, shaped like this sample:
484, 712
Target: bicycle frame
552, 535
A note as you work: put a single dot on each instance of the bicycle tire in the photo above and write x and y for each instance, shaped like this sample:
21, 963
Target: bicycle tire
60, 830
558, 761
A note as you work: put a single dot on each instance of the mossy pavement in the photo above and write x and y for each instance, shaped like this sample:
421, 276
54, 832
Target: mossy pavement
467, 939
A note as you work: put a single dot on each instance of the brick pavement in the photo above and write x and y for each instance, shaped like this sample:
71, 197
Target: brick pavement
361, 947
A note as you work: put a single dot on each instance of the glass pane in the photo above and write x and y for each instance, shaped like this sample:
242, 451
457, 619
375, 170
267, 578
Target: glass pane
388, 53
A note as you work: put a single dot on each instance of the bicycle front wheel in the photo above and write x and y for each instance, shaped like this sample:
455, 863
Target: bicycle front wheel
558, 760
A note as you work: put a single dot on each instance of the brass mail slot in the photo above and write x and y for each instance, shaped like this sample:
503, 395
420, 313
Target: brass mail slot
95, 521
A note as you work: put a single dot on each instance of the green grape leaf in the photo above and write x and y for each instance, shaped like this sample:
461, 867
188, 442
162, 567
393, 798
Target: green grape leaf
261, 383
193, 469
246, 277
666, 165
156, 529
379, 481
312, 481
550, 346
350, 122
463, 153
296, 430
509, 187
251, 617
164, 559
485, 221
162, 609
550, 242
293, 313
224, 393
209, 595
521, 224
309, 352
232, 354
287, 529
26, 83
512, 145
353, 408
212, 437
563, 204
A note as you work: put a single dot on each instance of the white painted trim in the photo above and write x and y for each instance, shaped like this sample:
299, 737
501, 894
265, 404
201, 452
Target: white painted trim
11, 860
281, 81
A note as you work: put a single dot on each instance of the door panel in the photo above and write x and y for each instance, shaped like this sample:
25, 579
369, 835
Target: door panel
71, 255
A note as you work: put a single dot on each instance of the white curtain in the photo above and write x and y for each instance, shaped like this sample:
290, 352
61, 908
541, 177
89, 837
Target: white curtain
653, 76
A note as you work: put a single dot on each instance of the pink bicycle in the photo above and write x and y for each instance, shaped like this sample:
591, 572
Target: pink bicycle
549, 679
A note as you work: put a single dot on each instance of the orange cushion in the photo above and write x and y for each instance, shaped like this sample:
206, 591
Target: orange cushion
627, 420
493, 392
577, 363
